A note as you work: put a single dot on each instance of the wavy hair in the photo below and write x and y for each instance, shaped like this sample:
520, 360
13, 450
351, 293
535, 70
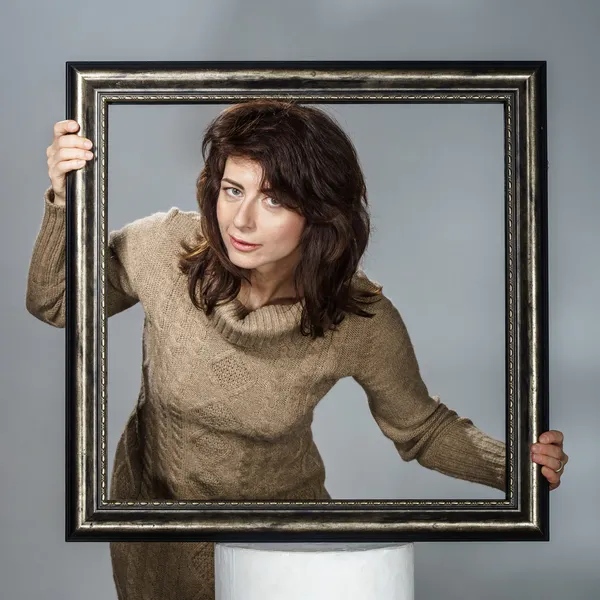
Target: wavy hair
311, 167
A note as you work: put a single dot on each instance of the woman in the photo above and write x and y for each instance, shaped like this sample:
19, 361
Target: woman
254, 308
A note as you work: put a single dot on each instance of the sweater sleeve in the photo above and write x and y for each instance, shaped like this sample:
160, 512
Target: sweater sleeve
45, 296
421, 427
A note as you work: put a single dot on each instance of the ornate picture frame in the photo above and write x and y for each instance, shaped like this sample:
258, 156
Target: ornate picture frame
520, 88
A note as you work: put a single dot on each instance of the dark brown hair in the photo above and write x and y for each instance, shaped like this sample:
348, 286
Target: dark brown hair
311, 167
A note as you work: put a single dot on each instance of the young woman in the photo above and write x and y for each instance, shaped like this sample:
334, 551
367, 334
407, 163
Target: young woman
254, 307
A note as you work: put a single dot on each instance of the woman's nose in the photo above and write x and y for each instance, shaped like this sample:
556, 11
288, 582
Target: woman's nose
243, 216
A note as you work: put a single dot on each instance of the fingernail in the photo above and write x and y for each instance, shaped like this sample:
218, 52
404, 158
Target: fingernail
544, 439
88, 144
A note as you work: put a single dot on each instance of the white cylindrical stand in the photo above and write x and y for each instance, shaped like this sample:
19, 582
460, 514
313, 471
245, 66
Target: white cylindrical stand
319, 571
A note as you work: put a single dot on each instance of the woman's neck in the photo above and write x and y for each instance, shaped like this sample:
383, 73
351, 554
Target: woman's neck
254, 297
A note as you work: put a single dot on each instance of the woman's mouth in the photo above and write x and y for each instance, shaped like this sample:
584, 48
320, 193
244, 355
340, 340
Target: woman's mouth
240, 245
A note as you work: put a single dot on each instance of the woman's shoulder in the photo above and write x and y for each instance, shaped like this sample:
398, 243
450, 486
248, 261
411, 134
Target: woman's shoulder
172, 222
362, 282
182, 225
152, 244
375, 300
375, 341
385, 314
168, 227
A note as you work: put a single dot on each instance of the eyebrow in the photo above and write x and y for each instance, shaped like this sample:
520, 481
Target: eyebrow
233, 182
239, 185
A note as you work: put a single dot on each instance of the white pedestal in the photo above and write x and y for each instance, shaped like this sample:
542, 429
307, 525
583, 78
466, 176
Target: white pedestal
314, 571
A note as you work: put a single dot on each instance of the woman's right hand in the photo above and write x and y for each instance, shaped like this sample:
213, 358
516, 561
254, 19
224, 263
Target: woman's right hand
67, 152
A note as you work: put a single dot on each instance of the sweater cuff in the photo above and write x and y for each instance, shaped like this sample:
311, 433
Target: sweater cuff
464, 451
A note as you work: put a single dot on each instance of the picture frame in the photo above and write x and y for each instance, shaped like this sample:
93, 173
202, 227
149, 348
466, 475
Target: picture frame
520, 88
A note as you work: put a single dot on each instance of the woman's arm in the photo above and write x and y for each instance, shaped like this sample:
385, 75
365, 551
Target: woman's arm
420, 426
128, 247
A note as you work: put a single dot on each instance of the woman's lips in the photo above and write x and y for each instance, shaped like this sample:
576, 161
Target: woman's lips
241, 245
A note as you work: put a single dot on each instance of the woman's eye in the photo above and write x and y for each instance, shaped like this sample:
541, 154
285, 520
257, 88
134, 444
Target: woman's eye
277, 204
230, 190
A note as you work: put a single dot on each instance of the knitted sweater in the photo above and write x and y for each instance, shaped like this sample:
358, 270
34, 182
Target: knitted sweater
226, 400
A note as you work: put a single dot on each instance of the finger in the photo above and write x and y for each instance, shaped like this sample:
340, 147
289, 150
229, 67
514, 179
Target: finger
552, 437
67, 126
547, 449
73, 141
67, 165
548, 461
550, 475
553, 486
71, 153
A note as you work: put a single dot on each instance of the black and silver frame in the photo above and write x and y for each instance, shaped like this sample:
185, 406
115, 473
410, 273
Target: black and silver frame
520, 87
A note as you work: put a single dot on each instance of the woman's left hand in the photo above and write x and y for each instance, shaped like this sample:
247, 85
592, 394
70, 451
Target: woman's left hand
549, 452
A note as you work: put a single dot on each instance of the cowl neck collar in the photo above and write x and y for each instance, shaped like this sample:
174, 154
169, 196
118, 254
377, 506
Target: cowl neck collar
255, 328
267, 324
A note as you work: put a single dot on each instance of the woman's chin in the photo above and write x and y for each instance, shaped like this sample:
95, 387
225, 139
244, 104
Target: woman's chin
240, 260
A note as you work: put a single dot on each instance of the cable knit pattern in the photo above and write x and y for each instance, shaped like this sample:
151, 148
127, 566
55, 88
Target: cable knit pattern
226, 401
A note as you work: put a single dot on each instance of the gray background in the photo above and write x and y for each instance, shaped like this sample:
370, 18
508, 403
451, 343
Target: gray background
36, 41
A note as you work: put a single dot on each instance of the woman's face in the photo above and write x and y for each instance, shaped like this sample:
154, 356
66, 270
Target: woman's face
247, 214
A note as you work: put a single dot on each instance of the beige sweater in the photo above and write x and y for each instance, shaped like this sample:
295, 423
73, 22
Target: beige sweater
226, 401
